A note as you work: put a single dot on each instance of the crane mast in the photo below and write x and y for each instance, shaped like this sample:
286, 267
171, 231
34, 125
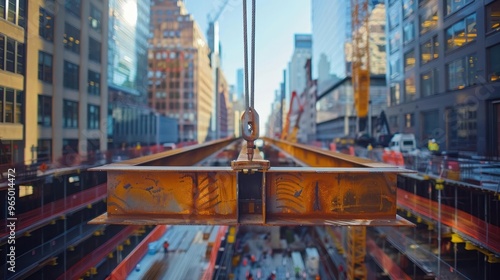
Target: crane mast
360, 56
356, 246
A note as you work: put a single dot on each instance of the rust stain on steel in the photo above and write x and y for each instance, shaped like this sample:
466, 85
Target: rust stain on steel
167, 193
331, 195
313, 156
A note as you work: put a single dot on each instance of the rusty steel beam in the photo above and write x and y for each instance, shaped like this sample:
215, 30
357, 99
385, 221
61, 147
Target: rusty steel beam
158, 190
312, 156
185, 156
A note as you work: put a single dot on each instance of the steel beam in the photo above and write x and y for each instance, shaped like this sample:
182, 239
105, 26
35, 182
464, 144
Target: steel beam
145, 191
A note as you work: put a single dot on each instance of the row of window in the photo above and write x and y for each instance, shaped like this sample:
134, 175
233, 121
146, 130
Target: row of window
70, 113
450, 6
11, 105
69, 146
71, 74
172, 95
174, 105
12, 55
13, 11
72, 40
460, 121
460, 73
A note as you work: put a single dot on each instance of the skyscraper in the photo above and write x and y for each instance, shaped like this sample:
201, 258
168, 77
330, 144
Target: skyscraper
240, 84
443, 73
332, 48
180, 76
130, 121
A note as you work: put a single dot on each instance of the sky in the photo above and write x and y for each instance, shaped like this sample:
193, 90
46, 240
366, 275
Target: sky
276, 23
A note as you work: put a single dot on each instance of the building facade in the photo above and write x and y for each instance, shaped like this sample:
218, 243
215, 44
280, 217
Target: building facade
180, 77
443, 73
307, 124
65, 78
12, 82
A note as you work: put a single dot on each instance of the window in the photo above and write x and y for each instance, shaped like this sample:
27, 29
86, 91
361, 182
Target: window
94, 83
394, 17
25, 190
409, 60
494, 63
43, 149
71, 38
93, 145
461, 121
94, 50
95, 18
93, 117
44, 110
408, 32
395, 66
462, 72
455, 5
73, 7
70, 114
2, 51
188, 105
395, 41
11, 55
11, 105
393, 121
71, 76
430, 124
429, 83
408, 7
461, 33
429, 50
46, 27
44, 67
493, 17
13, 11
70, 146
429, 17
20, 58
409, 120
410, 89
395, 97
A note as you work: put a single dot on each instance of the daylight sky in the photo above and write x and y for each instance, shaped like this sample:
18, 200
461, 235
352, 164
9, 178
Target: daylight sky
276, 23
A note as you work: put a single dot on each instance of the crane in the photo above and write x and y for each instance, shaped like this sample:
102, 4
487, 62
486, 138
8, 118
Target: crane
356, 244
296, 109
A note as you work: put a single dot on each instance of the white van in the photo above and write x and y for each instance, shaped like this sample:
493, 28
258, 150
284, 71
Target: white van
403, 143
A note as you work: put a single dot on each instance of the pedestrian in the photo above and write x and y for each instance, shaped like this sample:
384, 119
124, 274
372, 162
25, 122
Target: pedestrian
165, 247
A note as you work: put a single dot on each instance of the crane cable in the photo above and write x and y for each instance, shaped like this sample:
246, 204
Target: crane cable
250, 118
249, 94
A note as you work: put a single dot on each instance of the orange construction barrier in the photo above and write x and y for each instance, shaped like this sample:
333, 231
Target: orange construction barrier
333, 147
398, 159
351, 151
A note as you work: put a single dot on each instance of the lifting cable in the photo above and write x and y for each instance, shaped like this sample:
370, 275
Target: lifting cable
250, 118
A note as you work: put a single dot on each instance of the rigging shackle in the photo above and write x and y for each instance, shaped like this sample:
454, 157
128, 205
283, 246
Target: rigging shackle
250, 129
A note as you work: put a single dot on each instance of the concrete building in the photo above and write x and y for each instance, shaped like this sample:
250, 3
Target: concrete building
443, 73
331, 26
65, 74
307, 124
180, 76
12, 83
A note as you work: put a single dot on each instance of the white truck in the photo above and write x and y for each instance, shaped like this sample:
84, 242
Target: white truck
403, 143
